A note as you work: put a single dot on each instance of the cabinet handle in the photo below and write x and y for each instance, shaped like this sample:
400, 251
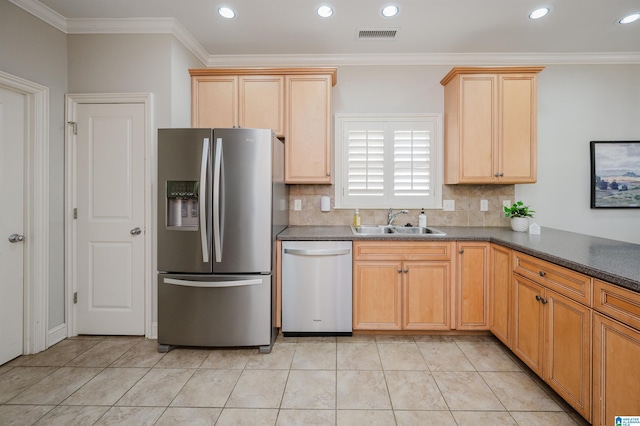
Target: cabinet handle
538, 298
501, 174
405, 271
543, 300
496, 175
399, 271
542, 273
461, 251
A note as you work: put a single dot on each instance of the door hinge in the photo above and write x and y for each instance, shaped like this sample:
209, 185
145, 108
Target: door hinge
75, 213
75, 297
75, 126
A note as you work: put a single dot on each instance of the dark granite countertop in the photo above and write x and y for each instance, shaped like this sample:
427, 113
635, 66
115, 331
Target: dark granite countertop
609, 260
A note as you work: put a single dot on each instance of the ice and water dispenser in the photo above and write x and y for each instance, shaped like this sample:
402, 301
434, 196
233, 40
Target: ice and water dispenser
182, 205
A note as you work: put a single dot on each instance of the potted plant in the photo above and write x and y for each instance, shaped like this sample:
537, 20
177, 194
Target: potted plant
519, 214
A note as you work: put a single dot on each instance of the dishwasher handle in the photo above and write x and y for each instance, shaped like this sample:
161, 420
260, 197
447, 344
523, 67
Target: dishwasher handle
326, 252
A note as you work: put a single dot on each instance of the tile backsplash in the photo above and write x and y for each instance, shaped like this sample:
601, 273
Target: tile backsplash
467, 207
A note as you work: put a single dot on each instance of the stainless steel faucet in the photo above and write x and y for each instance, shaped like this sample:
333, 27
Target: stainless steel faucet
393, 215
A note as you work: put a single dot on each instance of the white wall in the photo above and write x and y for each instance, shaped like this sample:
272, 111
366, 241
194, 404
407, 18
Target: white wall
35, 51
578, 104
181, 61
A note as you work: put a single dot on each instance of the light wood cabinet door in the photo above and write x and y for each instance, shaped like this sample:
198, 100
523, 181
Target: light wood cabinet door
472, 286
567, 362
616, 371
426, 295
490, 125
214, 101
308, 129
517, 137
261, 102
500, 293
528, 327
377, 303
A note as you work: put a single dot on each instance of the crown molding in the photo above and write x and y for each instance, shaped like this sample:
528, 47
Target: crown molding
449, 59
139, 26
43, 12
173, 26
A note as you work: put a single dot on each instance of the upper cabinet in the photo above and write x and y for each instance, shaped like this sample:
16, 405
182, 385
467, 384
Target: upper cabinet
294, 102
490, 125
308, 136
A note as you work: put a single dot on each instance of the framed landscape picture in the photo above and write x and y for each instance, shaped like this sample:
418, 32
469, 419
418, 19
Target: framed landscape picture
615, 174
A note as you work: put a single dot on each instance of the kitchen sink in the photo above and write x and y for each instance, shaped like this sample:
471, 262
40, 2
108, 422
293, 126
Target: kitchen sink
391, 230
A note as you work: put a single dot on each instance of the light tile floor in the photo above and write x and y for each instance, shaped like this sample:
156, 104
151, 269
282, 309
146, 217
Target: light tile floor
360, 380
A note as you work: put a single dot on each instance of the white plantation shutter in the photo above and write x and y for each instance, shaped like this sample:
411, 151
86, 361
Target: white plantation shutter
365, 162
411, 162
389, 161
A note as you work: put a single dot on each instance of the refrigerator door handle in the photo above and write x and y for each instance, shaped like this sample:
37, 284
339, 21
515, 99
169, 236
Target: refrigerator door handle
202, 197
217, 172
301, 252
212, 284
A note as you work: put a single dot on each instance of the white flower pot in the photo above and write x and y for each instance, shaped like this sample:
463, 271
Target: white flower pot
520, 224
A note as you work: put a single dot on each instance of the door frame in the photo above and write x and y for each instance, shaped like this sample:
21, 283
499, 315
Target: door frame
72, 100
36, 211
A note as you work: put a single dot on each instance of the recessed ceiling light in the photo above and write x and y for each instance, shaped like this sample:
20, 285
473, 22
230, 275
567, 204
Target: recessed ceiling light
629, 18
226, 12
325, 11
539, 13
390, 11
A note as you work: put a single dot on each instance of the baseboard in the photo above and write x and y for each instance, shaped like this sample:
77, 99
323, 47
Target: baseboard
154, 331
56, 334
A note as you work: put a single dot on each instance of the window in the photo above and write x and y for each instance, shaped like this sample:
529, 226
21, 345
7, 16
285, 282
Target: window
385, 161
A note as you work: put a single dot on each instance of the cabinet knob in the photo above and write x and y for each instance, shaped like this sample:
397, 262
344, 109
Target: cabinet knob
538, 298
542, 273
399, 271
501, 174
405, 271
496, 175
461, 251
543, 300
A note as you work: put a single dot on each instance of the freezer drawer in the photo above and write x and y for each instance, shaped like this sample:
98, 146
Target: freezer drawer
216, 311
316, 288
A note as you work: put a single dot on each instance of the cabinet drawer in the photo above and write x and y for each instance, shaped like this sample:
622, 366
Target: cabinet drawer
564, 281
618, 303
401, 250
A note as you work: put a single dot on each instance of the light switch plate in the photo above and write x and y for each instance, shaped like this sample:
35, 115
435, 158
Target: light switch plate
448, 205
297, 205
484, 205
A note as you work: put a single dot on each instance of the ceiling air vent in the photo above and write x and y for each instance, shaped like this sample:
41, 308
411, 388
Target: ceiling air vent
381, 34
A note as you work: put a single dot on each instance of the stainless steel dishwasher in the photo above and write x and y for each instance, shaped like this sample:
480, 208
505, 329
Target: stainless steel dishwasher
316, 288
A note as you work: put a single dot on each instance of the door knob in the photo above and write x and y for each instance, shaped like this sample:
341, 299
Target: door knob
136, 231
15, 238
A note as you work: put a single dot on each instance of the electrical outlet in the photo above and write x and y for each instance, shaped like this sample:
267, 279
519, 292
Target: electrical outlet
484, 205
506, 203
448, 205
297, 205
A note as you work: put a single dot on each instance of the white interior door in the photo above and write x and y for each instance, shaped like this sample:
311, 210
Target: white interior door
110, 247
12, 113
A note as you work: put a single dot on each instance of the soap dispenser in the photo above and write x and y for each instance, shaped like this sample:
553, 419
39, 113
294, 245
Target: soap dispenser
356, 218
422, 219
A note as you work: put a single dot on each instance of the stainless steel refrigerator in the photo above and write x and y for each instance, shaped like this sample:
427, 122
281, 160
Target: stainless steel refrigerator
222, 201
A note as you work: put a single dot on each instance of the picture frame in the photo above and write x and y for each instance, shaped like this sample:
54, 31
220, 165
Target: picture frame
615, 174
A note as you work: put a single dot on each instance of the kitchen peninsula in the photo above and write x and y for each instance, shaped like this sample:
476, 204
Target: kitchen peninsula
567, 304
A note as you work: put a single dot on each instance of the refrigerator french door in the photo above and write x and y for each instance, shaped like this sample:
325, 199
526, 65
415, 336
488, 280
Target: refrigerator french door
221, 203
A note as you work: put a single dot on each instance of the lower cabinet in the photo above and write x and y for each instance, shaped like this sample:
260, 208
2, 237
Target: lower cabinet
616, 352
500, 274
552, 335
472, 286
401, 286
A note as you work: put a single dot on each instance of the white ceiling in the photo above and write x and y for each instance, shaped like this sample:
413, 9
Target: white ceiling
426, 28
